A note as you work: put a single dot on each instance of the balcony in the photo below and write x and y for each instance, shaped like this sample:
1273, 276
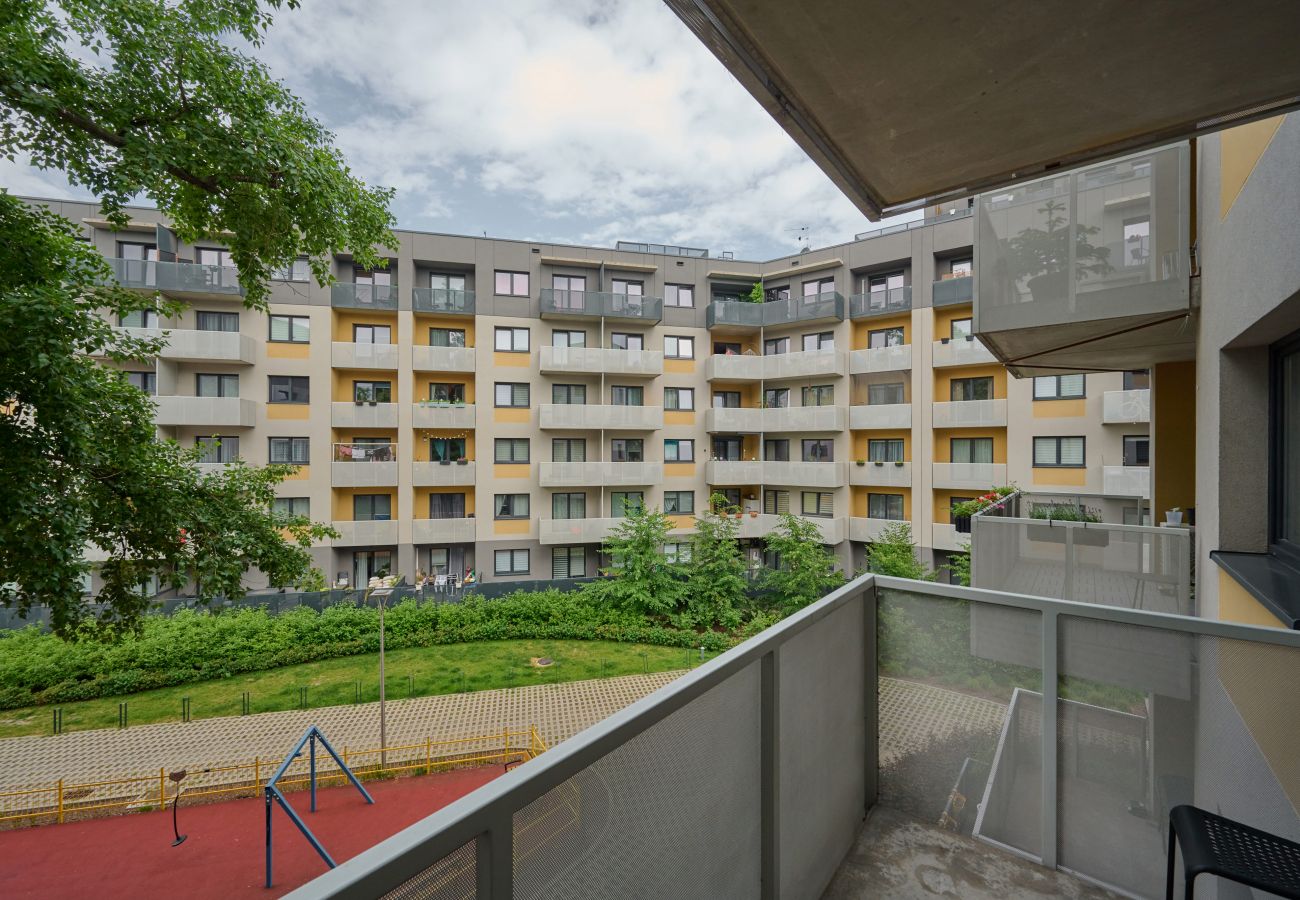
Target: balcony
1126, 407
947, 537
881, 359
754, 527
595, 473
601, 360
364, 296
189, 281
774, 419
869, 530
344, 414
443, 474
804, 364
954, 291
364, 465
733, 367
750, 471
962, 352
366, 534
575, 531
1126, 481
218, 412
827, 307
428, 414
442, 531
441, 301
880, 416
591, 416
364, 356
970, 414
881, 474
969, 476
192, 345
881, 303
600, 304
442, 359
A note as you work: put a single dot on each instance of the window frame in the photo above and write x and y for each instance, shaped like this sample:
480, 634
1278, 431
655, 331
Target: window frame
889, 501
627, 391
1056, 439
673, 291
1135, 439
513, 556
677, 340
294, 444
512, 502
291, 322
952, 447
294, 382
221, 315
974, 379
621, 447
375, 391
513, 275
679, 444
292, 501
513, 331
356, 506
567, 552
515, 392
568, 389
443, 329
223, 380
806, 443
1056, 381
568, 498
221, 443
514, 443
673, 499
677, 393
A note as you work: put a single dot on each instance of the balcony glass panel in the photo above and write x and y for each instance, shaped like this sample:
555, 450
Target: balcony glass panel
443, 300
364, 296
881, 303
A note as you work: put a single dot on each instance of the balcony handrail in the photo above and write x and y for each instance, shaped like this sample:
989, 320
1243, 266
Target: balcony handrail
349, 451
444, 300
919, 223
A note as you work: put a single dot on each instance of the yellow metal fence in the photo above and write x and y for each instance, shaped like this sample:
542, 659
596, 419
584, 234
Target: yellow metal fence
62, 799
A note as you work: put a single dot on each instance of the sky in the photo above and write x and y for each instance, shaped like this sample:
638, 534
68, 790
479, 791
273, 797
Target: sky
573, 121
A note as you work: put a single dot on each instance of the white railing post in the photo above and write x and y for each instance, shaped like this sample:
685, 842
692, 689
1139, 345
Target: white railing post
1050, 637
770, 775
1067, 588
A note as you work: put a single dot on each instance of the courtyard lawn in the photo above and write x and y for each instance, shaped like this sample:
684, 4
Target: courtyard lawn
418, 672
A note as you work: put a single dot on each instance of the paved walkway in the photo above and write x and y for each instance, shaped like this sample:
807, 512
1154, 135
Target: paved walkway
912, 714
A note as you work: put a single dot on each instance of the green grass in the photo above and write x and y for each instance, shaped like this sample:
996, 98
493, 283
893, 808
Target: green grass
444, 669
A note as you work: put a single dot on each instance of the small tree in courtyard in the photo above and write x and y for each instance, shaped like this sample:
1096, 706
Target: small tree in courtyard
805, 569
716, 582
959, 567
893, 553
641, 580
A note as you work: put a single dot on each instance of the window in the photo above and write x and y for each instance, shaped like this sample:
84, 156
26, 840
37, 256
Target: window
773, 294
291, 506
677, 450
1137, 241
885, 506
818, 503
884, 337
511, 284
372, 507
446, 506
726, 399
730, 497
217, 321
726, 348
882, 284
294, 451
818, 450
213, 256
812, 290
1139, 380
140, 318
569, 292
511, 506
512, 394
444, 281
679, 398
1058, 387
962, 268
218, 448
960, 330
679, 503
446, 392
972, 388
510, 562
620, 340
677, 552
1065, 452
679, 295
446, 337
568, 338
137, 250
776, 398
511, 450
216, 385
372, 391
885, 450
571, 505
290, 329
298, 270
569, 394
676, 347
372, 334
886, 394
727, 448
145, 381
776, 449
822, 340
568, 562
819, 395
1137, 450
366, 278
776, 503
627, 450
625, 395
971, 450
625, 503
776, 346
568, 449
512, 340
446, 449
623, 286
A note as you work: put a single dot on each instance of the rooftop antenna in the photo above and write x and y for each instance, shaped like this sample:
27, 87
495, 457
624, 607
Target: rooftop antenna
805, 237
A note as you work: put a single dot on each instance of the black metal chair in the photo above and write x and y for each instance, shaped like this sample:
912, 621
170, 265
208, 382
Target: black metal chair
1213, 845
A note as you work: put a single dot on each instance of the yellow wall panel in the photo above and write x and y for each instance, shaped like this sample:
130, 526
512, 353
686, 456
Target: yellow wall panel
511, 416
944, 317
1240, 150
512, 360
424, 323
1060, 409
1173, 442
511, 526
1060, 476
679, 417
423, 435
511, 470
679, 470
943, 445
344, 320
287, 351
343, 379
679, 366
343, 501
288, 411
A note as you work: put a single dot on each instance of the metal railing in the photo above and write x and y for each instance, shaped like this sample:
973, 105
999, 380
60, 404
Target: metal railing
554, 301
662, 249
951, 291
919, 223
443, 300
350, 295
828, 305
782, 745
176, 277
880, 303
365, 453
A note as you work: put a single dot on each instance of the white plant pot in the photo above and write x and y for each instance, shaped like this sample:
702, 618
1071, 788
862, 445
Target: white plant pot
1173, 518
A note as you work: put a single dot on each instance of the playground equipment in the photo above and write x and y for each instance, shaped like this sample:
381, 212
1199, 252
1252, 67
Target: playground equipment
273, 793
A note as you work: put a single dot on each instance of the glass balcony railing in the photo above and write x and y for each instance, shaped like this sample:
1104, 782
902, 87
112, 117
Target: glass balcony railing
598, 304
176, 277
442, 300
881, 303
824, 306
364, 296
952, 291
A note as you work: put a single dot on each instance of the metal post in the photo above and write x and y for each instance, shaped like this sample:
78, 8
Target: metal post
257, 770
1067, 589
162, 788
60, 803
1047, 813
312, 757
769, 776
267, 793
428, 755
494, 861
383, 712
871, 692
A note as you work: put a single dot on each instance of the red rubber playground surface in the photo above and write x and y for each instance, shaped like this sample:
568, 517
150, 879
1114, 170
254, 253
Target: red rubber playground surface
224, 857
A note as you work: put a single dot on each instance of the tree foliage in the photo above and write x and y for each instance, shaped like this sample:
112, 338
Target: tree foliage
145, 98
806, 569
959, 566
716, 584
640, 579
894, 553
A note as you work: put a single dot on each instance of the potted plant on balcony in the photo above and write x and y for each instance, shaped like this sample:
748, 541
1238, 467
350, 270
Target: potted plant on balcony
1042, 255
860, 462
1066, 512
963, 512
462, 461
1174, 516
898, 464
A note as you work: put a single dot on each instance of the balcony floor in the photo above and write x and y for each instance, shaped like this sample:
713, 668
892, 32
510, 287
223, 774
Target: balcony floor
897, 857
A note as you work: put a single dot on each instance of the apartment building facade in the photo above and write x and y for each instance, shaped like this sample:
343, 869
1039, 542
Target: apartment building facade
493, 405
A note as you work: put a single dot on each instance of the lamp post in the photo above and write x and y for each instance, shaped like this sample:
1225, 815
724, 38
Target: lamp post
381, 589
177, 778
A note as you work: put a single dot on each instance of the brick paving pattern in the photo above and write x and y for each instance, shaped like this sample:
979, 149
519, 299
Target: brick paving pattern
912, 714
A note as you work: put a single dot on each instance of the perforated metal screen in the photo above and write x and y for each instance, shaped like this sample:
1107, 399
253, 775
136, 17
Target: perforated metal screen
451, 878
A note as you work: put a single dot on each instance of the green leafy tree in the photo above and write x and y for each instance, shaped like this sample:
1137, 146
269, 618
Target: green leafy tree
893, 552
755, 294
640, 579
145, 98
959, 566
806, 569
716, 585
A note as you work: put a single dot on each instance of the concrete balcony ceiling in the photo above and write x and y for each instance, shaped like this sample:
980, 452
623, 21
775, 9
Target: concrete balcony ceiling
951, 100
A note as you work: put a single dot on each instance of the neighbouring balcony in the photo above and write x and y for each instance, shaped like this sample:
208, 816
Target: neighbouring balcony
947, 537
750, 471
880, 303
733, 367
592, 416
604, 472
1126, 407
953, 291
969, 476
222, 412
1126, 481
442, 359
441, 301
774, 419
575, 531
869, 530
380, 533
185, 280
753, 526
459, 473
364, 356
192, 345
364, 296
962, 352
556, 303
880, 415
601, 360
827, 307
442, 531
345, 414
881, 359
881, 474
804, 364
364, 465
970, 414
430, 414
